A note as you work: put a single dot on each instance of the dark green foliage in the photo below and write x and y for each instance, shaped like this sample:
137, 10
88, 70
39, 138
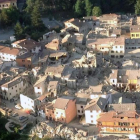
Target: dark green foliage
19, 31
96, 11
79, 8
36, 20
88, 7
9, 16
137, 7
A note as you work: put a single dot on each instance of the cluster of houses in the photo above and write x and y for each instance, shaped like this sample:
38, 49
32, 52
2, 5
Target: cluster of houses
66, 75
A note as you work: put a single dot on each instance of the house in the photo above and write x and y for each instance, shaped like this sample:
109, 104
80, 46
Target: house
8, 54
126, 122
125, 79
93, 20
24, 60
31, 102
97, 91
49, 111
93, 110
113, 47
135, 31
28, 44
59, 57
76, 25
53, 88
80, 105
109, 19
62, 110
40, 86
7, 3
65, 109
116, 33
132, 44
54, 45
55, 71
13, 88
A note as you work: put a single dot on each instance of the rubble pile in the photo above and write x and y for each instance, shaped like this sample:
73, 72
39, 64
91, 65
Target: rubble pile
61, 131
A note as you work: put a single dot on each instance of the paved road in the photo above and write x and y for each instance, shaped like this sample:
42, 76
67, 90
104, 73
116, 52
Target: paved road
5, 34
7, 126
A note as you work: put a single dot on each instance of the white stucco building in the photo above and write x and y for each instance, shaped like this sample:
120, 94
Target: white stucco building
30, 102
93, 110
13, 88
8, 53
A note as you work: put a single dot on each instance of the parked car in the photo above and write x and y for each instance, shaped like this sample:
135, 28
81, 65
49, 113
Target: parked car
18, 106
14, 114
22, 117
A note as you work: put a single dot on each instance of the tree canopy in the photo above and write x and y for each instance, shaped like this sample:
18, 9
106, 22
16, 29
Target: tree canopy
96, 11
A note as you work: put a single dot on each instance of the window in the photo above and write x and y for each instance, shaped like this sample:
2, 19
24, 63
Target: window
29, 61
13, 4
56, 112
91, 121
61, 113
10, 93
112, 51
132, 123
16, 90
12, 87
133, 35
78, 111
38, 87
81, 106
91, 116
19, 88
23, 60
137, 35
116, 46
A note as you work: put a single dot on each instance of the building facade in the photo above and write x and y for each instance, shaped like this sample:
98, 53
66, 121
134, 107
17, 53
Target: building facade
7, 3
119, 122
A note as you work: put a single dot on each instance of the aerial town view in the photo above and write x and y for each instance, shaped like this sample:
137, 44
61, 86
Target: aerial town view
69, 69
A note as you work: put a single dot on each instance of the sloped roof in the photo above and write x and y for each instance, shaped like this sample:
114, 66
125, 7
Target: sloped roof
62, 102
122, 107
96, 104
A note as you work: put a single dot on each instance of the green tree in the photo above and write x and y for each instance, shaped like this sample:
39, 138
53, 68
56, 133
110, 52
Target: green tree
137, 7
4, 18
36, 20
29, 6
13, 14
88, 7
16, 130
19, 32
96, 11
79, 7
